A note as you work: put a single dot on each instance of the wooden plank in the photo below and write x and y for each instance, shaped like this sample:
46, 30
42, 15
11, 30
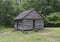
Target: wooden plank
20, 24
33, 15
27, 24
38, 24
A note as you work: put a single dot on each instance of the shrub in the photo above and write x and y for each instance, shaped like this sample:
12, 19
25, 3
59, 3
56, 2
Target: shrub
53, 19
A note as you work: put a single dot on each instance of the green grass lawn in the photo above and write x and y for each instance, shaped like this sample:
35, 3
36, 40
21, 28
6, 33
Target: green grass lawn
46, 35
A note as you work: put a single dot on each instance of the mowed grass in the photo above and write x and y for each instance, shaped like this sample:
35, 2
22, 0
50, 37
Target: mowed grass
46, 35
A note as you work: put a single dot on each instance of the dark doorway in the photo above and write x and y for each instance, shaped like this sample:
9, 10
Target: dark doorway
33, 23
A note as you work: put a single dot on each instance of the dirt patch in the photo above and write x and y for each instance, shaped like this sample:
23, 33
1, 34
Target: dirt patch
53, 40
45, 33
1, 32
4, 33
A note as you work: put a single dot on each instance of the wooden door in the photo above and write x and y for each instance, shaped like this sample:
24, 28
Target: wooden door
39, 24
27, 24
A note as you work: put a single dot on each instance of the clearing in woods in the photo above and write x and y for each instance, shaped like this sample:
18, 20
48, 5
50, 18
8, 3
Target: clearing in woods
46, 35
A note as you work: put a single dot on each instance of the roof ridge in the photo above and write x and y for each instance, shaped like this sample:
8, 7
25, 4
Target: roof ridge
29, 12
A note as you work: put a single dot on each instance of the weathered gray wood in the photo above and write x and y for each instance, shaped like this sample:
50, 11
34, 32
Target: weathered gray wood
28, 20
20, 24
33, 15
39, 24
40, 21
27, 24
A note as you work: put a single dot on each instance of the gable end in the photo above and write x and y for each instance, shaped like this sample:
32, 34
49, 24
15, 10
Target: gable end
33, 15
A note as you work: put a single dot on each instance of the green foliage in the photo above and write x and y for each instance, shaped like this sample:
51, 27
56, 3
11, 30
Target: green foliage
9, 9
54, 18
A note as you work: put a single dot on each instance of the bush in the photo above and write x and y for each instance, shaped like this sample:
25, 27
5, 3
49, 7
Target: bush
53, 19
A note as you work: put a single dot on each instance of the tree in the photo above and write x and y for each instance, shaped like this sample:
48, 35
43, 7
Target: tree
9, 9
